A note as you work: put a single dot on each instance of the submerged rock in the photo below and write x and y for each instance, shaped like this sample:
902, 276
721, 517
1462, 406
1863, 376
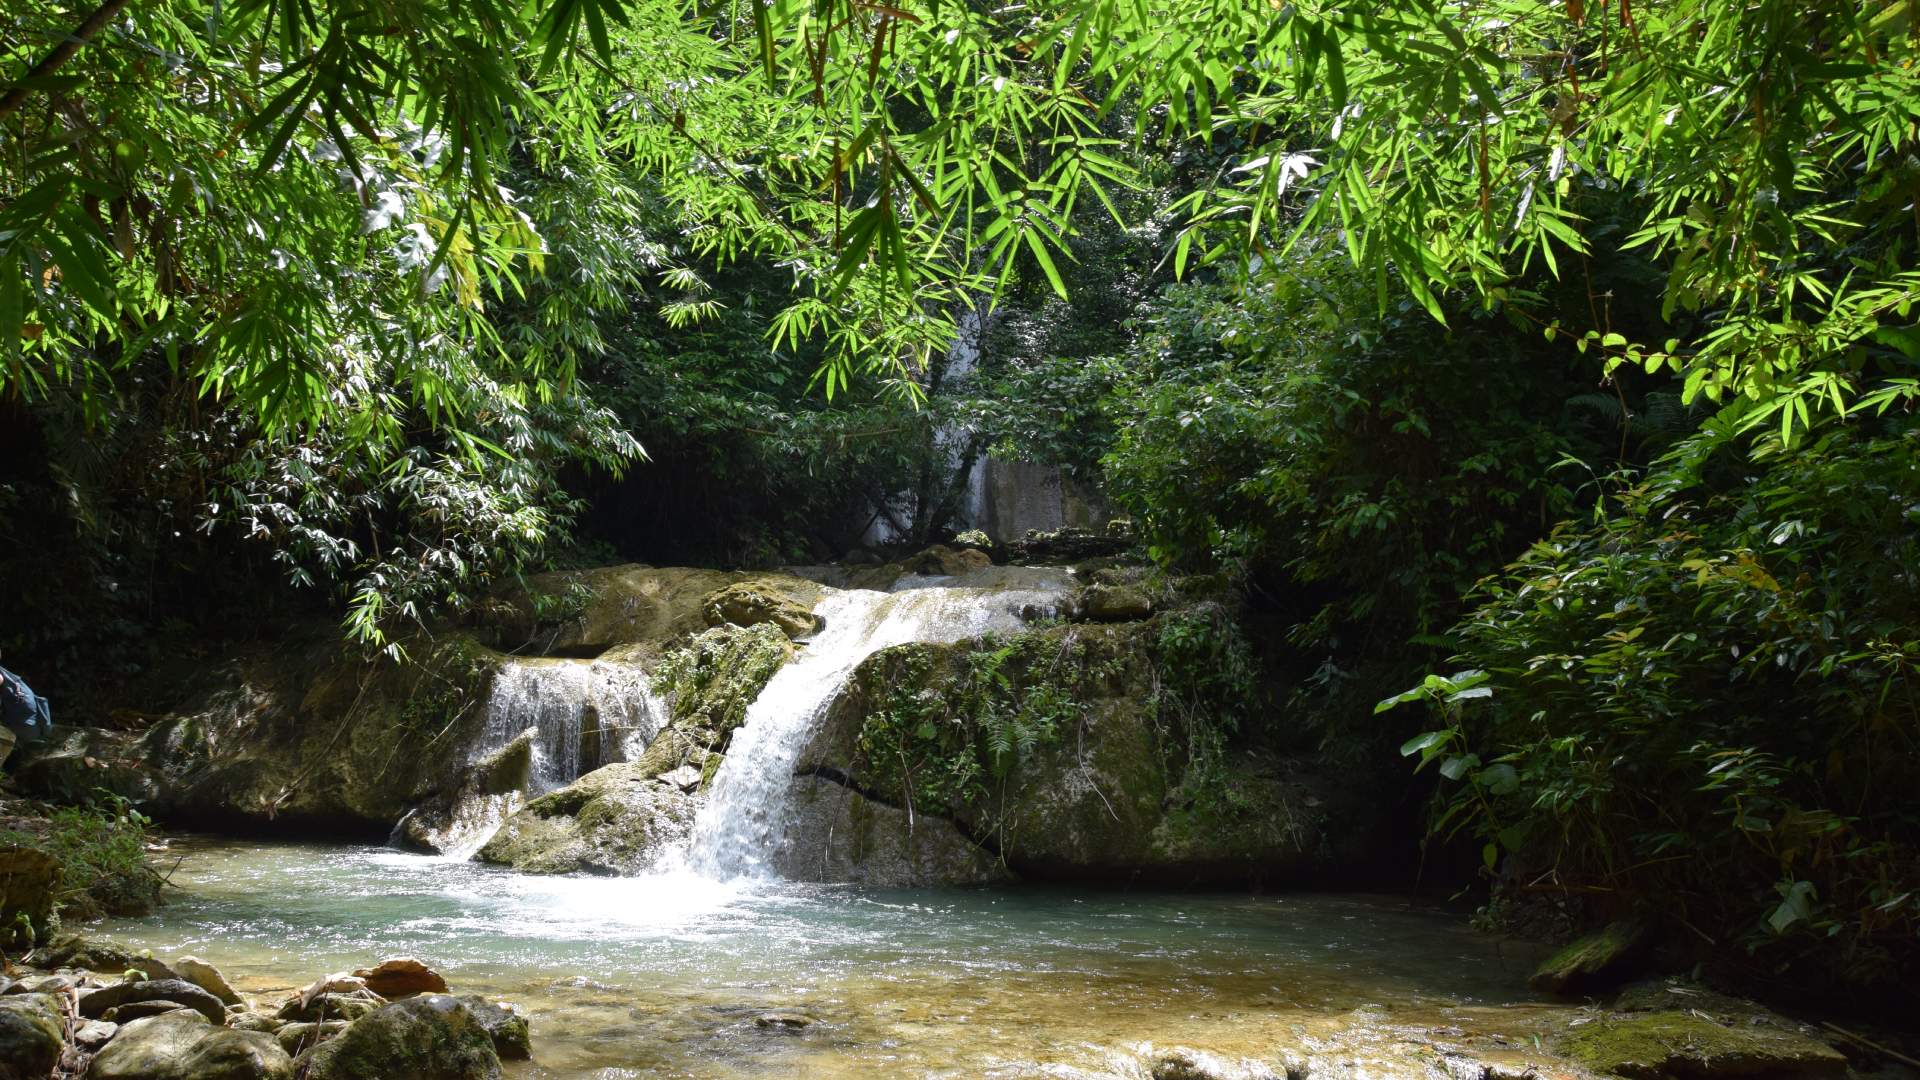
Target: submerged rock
512, 1038
32, 1036
181, 1045
614, 820
1656, 1045
431, 1037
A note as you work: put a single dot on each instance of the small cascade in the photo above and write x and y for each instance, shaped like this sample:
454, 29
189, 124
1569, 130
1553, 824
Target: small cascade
588, 713
549, 722
745, 825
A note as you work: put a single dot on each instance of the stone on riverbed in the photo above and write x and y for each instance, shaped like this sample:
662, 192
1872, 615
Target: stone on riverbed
401, 976
512, 1039
614, 820
95, 1005
331, 1006
31, 1037
1594, 960
206, 977
181, 1045
297, 1038
431, 1037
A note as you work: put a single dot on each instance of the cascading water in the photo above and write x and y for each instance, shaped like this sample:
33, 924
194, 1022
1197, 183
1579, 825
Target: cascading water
746, 823
577, 715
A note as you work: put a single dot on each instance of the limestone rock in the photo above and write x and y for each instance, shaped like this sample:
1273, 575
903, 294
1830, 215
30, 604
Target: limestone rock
843, 836
613, 820
750, 603
1656, 1045
31, 1036
178, 992
206, 977
1115, 603
330, 1006
1594, 960
944, 561
181, 1045
431, 1037
512, 1039
400, 976
29, 883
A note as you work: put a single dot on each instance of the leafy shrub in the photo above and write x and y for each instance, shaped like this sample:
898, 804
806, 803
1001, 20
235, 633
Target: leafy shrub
1705, 704
102, 852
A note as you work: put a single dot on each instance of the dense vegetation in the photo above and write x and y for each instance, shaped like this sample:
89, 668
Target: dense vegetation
1555, 361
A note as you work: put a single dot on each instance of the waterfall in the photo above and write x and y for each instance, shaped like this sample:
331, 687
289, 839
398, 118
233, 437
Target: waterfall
745, 825
575, 716
589, 713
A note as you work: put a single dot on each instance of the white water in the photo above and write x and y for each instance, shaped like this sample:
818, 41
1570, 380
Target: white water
745, 825
582, 714
589, 713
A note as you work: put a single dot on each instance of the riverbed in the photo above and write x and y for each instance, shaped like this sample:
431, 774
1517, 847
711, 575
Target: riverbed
680, 975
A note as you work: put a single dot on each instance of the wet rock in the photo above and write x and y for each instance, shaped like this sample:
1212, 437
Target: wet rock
750, 603
1668, 1043
181, 1045
400, 976
138, 1010
248, 1020
1066, 545
31, 1036
298, 1038
843, 836
330, 1006
91, 1035
178, 992
614, 820
431, 1037
1115, 603
206, 977
1594, 960
29, 884
783, 1021
74, 951
1183, 1063
685, 778
944, 561
43, 984
512, 1038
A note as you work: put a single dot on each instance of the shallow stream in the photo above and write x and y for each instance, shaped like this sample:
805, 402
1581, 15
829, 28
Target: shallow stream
676, 975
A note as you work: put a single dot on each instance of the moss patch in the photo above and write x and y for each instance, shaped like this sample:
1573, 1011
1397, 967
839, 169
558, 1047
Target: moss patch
1651, 1046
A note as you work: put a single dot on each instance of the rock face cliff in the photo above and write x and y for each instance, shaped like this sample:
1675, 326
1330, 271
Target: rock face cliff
578, 725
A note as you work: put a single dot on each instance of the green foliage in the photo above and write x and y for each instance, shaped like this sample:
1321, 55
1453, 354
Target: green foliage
945, 736
1704, 703
1205, 690
713, 678
102, 851
1386, 462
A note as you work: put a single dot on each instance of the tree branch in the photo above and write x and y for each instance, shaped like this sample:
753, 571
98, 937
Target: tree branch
63, 52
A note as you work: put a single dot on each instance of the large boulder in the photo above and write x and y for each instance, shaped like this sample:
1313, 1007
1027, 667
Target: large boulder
400, 976
512, 1038
29, 889
615, 820
208, 978
181, 1045
841, 835
784, 602
31, 1036
1094, 783
432, 1037
943, 561
177, 993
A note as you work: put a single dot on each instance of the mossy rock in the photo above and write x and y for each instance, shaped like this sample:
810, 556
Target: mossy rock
754, 603
1672, 1043
711, 680
431, 1037
1594, 960
614, 820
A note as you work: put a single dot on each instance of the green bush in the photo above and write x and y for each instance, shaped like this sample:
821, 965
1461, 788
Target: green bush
1704, 705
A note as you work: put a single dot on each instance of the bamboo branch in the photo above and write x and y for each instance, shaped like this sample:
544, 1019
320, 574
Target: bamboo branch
63, 52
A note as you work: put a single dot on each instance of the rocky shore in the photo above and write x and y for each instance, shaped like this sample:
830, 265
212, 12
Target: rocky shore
80, 1009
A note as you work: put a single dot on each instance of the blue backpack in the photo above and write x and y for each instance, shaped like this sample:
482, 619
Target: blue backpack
22, 709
